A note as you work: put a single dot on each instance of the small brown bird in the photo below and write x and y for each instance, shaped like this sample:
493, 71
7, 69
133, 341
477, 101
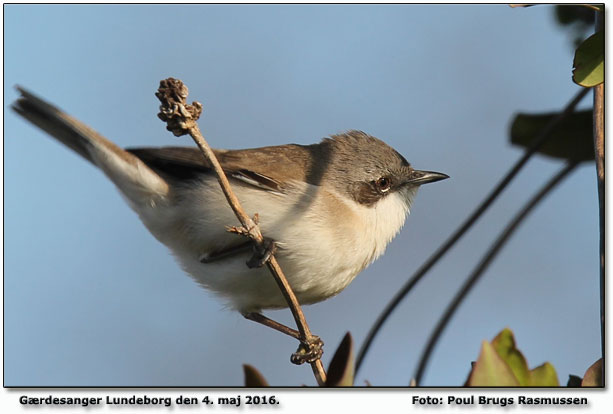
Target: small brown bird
331, 208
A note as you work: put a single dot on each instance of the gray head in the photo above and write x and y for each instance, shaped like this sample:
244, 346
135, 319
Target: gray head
367, 169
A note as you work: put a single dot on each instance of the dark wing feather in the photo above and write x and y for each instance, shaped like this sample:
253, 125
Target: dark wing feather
267, 168
180, 163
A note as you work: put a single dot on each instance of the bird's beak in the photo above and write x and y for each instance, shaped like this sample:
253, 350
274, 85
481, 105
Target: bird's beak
418, 177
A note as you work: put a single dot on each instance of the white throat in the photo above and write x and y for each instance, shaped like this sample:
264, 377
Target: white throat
388, 216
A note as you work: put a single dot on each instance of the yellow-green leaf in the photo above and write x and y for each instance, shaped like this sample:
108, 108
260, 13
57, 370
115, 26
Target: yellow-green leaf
500, 363
491, 370
544, 376
589, 61
504, 344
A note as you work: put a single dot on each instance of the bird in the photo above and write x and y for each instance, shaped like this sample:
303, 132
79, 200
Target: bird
330, 208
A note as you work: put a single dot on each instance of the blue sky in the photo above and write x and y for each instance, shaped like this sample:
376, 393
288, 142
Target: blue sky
92, 299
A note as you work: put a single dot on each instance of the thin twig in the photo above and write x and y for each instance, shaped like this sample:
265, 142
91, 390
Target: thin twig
272, 263
485, 262
599, 155
468, 223
176, 91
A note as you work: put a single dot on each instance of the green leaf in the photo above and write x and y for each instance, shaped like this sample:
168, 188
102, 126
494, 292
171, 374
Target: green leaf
491, 370
504, 344
340, 371
593, 375
502, 364
572, 136
544, 376
589, 61
253, 378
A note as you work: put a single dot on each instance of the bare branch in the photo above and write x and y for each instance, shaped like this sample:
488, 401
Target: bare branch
484, 264
181, 119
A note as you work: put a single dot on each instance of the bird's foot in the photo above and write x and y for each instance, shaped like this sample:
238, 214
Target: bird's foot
262, 253
310, 350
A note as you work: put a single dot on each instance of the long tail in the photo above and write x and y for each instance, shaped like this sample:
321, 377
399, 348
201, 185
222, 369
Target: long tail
141, 185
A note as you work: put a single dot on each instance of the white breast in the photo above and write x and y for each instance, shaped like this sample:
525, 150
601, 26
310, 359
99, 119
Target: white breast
324, 240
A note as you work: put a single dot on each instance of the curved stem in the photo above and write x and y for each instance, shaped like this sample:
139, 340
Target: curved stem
173, 95
272, 264
484, 263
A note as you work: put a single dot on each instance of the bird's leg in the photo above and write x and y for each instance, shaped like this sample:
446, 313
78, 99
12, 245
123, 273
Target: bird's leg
228, 252
259, 318
260, 256
310, 350
311, 347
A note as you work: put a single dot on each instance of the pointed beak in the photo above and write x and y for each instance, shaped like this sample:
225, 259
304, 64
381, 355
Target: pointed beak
418, 177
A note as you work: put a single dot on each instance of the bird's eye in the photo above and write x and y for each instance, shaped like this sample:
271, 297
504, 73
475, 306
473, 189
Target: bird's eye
383, 184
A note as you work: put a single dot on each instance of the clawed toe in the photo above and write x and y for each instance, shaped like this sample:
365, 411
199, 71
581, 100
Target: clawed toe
262, 253
308, 351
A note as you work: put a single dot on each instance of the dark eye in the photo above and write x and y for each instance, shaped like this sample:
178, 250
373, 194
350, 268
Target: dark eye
383, 184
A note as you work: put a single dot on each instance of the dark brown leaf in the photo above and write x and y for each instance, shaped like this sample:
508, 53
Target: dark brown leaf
340, 372
593, 375
253, 377
572, 137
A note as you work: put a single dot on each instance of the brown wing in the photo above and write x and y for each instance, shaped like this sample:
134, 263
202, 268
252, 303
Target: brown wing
180, 163
268, 168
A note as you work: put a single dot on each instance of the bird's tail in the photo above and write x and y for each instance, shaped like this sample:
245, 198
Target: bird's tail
141, 185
